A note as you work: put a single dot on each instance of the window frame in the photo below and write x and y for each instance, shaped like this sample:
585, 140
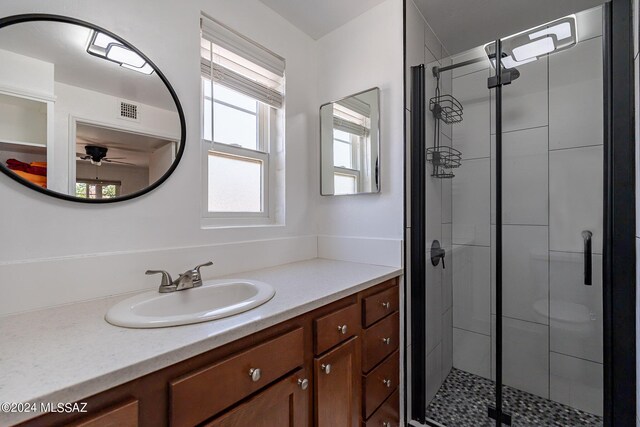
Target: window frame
266, 138
233, 61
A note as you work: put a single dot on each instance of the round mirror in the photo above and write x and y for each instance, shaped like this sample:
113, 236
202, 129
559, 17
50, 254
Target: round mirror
84, 115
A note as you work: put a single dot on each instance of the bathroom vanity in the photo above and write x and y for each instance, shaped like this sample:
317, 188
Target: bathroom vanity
336, 362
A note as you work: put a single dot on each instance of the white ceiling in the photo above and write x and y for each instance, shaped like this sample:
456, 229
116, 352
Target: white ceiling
464, 24
64, 45
319, 17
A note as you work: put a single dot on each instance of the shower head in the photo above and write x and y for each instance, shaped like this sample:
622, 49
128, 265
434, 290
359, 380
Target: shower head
514, 73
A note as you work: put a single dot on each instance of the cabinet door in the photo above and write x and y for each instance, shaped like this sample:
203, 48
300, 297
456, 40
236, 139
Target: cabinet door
337, 386
284, 404
122, 415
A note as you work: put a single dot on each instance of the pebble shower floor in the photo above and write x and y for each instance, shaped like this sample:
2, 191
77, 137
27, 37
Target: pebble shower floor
463, 398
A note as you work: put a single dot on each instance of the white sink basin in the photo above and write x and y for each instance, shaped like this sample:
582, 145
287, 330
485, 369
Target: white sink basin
213, 300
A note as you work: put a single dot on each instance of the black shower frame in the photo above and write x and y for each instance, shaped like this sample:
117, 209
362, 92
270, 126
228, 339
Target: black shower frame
619, 247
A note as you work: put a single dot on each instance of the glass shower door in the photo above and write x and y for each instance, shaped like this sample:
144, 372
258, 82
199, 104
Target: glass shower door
547, 145
526, 230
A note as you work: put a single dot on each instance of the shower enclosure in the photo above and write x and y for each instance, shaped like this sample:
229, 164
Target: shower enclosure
513, 136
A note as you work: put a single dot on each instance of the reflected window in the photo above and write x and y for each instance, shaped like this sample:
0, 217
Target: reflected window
345, 184
87, 189
350, 129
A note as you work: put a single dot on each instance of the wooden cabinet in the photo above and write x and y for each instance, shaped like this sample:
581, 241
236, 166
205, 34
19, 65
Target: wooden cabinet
388, 415
380, 383
380, 340
335, 328
331, 367
380, 305
337, 384
120, 415
381, 358
283, 405
200, 395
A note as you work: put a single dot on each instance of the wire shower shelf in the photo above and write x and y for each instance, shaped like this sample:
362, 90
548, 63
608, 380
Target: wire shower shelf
446, 108
444, 157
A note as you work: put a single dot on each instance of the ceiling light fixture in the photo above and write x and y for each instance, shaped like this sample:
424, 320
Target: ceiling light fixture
534, 49
106, 47
530, 45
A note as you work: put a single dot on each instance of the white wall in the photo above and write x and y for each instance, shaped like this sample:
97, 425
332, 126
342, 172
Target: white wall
169, 217
364, 53
160, 161
26, 75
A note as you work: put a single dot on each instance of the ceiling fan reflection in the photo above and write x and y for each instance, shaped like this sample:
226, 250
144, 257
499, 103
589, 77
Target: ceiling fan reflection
97, 154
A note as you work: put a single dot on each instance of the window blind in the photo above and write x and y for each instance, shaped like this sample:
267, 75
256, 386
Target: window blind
349, 127
232, 60
356, 105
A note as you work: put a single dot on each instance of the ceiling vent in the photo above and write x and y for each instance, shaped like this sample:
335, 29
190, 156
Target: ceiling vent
128, 111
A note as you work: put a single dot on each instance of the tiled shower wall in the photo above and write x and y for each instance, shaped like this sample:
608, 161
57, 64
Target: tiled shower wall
552, 191
423, 47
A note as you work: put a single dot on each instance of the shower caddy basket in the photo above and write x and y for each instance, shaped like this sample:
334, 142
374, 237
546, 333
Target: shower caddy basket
447, 109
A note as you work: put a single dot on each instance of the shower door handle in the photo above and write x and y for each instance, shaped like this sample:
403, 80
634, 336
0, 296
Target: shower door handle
586, 236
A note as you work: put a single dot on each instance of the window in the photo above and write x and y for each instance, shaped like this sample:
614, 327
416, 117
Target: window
90, 189
242, 115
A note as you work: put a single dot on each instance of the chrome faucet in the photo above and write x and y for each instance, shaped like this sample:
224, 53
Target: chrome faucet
187, 280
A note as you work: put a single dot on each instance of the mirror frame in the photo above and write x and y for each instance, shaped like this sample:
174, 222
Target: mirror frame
378, 180
30, 17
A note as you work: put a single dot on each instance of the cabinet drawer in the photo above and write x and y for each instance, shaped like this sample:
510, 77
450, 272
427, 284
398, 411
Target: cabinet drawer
122, 415
283, 404
388, 415
200, 395
380, 340
335, 328
380, 305
380, 383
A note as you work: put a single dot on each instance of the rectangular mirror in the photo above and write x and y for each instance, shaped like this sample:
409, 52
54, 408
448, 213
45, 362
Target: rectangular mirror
350, 145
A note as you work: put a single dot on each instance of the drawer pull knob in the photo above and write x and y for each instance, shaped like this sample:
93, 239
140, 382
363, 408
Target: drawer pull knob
386, 424
386, 305
255, 374
387, 383
326, 368
387, 341
303, 383
342, 329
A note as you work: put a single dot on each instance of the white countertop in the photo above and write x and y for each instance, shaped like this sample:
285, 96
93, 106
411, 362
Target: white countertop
67, 353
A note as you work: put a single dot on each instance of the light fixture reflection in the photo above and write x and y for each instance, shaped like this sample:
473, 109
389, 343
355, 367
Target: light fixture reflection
106, 47
530, 45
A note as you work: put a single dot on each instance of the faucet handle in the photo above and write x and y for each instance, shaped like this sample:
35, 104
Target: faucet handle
197, 267
166, 277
